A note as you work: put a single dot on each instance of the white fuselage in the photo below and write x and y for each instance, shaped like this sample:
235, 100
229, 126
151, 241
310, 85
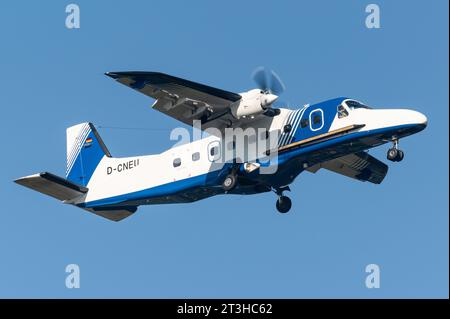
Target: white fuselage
117, 176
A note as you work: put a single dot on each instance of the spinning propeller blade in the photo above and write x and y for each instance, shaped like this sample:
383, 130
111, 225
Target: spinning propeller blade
268, 81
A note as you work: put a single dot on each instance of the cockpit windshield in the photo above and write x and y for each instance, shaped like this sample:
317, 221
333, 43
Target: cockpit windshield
352, 104
342, 112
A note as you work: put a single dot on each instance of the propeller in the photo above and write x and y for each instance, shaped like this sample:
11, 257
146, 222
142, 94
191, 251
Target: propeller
268, 81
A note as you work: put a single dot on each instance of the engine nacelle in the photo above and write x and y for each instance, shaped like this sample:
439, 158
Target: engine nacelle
247, 108
253, 103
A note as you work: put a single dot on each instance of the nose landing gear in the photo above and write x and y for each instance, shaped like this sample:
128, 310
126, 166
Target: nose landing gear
394, 154
283, 203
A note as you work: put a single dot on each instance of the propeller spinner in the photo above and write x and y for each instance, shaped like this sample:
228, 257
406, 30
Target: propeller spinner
272, 86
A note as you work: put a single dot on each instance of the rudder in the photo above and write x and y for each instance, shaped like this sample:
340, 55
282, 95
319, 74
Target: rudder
85, 150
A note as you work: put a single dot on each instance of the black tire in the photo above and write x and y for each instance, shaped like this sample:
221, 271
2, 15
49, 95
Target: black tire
229, 182
392, 154
400, 156
283, 204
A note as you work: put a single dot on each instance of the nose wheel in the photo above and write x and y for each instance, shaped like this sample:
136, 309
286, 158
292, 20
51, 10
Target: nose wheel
283, 203
394, 154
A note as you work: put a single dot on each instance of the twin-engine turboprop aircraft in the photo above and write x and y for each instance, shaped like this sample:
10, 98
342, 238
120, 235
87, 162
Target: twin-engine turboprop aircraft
252, 147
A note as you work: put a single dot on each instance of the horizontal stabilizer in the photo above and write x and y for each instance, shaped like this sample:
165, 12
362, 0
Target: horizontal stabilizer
113, 213
52, 185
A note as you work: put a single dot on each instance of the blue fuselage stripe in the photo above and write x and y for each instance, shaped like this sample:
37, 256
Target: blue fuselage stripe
283, 134
213, 178
295, 125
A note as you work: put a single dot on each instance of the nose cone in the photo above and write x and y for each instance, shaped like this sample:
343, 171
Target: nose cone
410, 117
421, 119
398, 122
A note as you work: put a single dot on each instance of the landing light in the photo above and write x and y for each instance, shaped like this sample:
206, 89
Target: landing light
250, 167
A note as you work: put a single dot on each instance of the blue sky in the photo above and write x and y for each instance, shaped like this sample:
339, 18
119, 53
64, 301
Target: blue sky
225, 246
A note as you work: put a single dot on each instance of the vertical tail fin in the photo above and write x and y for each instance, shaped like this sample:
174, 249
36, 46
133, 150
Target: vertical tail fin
85, 150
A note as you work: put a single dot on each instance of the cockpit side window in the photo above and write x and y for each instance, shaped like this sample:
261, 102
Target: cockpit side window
352, 104
342, 112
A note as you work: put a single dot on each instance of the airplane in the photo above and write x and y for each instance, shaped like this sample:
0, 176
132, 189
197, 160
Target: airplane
335, 135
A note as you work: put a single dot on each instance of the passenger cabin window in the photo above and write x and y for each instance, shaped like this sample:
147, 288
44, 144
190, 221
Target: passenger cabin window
317, 119
352, 104
214, 151
287, 128
177, 162
304, 123
342, 112
195, 156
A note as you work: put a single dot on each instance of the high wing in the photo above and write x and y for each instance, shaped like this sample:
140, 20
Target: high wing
181, 99
360, 166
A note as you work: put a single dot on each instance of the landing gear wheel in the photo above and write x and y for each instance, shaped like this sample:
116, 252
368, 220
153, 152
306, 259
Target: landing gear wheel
229, 182
395, 155
392, 154
284, 204
400, 156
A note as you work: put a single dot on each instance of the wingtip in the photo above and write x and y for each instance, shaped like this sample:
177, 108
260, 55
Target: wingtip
21, 179
113, 75
119, 74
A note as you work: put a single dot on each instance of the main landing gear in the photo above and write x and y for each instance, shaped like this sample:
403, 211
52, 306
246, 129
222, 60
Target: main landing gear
284, 203
229, 182
394, 154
